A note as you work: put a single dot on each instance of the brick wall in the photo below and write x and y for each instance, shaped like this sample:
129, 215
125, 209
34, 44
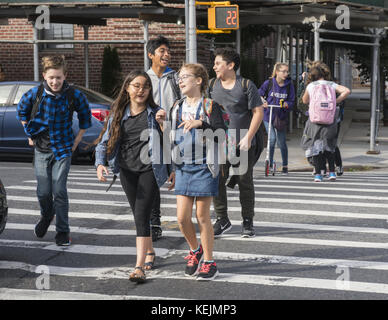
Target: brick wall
17, 59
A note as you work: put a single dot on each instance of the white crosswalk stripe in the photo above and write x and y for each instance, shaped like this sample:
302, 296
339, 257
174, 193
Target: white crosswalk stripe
292, 213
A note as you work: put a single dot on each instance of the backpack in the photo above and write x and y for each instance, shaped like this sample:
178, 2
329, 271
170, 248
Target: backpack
38, 100
322, 105
207, 108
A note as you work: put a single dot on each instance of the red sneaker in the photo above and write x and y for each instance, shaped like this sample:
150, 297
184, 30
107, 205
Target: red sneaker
194, 260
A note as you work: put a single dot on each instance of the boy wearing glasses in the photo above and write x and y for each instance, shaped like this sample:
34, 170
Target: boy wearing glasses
165, 93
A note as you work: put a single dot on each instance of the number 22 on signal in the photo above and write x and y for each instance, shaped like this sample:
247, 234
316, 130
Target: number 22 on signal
231, 18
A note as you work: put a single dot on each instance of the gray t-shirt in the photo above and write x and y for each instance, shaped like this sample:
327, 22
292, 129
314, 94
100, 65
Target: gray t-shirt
237, 104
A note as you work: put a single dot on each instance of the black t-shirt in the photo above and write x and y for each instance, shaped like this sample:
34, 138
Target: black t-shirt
132, 149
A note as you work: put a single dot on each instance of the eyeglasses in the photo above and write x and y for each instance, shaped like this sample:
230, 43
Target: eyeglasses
137, 86
185, 76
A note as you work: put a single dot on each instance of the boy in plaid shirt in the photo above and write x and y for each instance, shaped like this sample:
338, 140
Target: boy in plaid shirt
50, 132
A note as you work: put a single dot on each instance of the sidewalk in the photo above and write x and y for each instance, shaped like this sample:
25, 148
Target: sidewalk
353, 142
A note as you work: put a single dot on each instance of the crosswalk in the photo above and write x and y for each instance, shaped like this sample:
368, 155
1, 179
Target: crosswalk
313, 241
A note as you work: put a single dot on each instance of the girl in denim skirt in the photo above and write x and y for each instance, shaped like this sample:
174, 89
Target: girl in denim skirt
196, 165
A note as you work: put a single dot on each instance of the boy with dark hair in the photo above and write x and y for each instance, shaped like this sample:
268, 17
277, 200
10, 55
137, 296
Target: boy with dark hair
46, 113
241, 100
165, 93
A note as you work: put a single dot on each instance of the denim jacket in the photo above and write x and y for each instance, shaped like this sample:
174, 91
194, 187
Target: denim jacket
154, 143
213, 122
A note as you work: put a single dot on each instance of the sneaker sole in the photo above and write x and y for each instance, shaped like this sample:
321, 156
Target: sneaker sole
208, 279
226, 230
67, 244
247, 236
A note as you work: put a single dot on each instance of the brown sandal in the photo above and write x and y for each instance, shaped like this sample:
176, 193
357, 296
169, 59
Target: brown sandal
150, 264
138, 277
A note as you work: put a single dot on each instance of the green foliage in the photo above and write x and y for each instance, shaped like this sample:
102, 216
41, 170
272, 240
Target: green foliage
248, 69
252, 33
110, 72
363, 55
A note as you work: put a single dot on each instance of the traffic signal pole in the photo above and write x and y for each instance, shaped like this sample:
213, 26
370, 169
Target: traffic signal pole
192, 48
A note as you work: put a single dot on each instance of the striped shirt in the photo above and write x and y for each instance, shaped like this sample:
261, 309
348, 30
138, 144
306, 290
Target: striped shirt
53, 113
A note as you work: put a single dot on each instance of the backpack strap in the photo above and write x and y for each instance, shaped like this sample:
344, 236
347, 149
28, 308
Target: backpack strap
211, 86
37, 102
178, 101
174, 85
270, 84
70, 98
245, 83
207, 106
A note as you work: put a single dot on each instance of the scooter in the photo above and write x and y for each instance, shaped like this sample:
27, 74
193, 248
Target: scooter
267, 167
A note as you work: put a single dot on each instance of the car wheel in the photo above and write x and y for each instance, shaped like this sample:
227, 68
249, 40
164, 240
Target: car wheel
3, 208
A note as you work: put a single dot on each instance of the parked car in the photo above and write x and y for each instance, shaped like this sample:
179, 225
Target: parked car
13, 140
3, 207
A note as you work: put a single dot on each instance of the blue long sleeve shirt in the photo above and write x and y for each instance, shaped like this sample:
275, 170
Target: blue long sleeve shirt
53, 114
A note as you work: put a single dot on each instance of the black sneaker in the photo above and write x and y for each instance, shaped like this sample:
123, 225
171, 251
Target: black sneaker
193, 262
221, 226
208, 271
247, 229
42, 227
156, 233
63, 239
285, 171
340, 171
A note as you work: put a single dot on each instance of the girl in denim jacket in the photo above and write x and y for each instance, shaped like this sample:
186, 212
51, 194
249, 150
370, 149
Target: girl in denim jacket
127, 141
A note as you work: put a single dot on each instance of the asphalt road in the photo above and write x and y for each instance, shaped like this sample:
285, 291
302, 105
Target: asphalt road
315, 241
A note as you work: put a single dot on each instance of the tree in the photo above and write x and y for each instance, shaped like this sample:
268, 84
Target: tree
110, 72
363, 56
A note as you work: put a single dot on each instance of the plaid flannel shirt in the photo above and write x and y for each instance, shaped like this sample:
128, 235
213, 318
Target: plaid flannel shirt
53, 113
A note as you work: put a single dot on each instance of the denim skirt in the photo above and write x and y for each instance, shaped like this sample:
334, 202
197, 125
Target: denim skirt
195, 180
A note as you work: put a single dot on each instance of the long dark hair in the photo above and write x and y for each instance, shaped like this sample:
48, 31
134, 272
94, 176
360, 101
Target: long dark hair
120, 104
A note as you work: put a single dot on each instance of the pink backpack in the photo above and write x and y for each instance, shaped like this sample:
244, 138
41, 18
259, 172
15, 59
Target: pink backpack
322, 104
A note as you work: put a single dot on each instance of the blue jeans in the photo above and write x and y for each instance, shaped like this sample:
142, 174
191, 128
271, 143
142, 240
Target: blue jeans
51, 176
280, 137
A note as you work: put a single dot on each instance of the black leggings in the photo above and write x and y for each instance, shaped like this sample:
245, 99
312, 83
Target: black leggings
319, 161
140, 188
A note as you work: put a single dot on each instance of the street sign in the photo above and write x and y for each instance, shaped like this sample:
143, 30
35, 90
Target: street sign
223, 17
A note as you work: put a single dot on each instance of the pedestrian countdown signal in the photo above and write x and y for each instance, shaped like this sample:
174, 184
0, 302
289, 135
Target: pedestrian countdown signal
223, 17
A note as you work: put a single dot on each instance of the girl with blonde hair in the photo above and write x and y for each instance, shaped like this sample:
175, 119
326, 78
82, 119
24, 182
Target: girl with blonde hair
196, 180
278, 89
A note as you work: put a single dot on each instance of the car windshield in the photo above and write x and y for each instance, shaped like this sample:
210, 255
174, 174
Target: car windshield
92, 96
23, 88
